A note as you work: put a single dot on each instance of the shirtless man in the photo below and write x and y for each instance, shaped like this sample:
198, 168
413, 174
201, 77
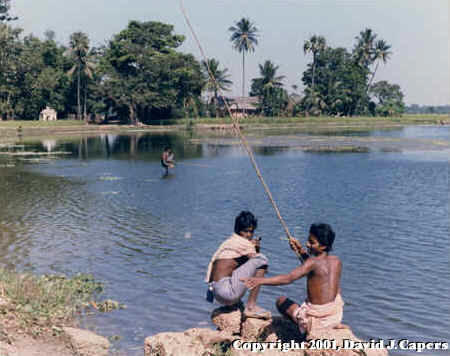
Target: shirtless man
238, 257
167, 159
324, 306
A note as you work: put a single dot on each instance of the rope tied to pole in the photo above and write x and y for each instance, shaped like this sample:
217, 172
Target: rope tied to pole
238, 132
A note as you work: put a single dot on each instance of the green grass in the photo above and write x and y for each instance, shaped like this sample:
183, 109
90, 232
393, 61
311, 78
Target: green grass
312, 120
257, 120
39, 304
40, 124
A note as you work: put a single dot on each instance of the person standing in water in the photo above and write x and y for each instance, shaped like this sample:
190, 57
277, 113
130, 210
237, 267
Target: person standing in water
168, 159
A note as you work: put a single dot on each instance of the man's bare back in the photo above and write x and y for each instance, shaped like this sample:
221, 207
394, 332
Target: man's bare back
323, 274
238, 257
324, 279
224, 267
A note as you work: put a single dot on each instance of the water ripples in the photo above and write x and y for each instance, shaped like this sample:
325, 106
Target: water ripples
149, 239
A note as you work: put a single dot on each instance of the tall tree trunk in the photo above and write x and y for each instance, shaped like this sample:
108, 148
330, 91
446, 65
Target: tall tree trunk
186, 115
313, 71
373, 76
8, 107
84, 109
216, 103
133, 116
78, 92
243, 73
131, 108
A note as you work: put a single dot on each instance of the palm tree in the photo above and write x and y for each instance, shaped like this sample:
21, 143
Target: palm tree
78, 50
315, 45
244, 38
269, 89
364, 53
268, 78
313, 103
217, 78
364, 49
381, 53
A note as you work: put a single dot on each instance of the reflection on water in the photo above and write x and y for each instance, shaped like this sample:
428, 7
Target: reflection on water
108, 209
442, 132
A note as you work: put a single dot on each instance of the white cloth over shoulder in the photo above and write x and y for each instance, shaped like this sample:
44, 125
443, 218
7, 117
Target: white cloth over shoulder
233, 247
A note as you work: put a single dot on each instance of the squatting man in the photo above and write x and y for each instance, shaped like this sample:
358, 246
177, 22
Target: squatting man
237, 266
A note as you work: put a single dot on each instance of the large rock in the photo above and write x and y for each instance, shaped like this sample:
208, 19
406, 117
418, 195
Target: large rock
192, 342
254, 329
86, 343
228, 319
279, 328
339, 335
279, 331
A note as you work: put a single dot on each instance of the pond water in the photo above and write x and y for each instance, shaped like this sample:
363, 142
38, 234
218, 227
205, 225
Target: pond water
107, 209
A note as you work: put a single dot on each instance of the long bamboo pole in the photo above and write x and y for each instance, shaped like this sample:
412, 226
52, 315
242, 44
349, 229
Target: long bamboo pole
238, 132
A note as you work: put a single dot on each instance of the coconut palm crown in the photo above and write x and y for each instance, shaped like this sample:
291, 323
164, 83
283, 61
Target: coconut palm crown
381, 54
364, 49
268, 79
314, 45
217, 78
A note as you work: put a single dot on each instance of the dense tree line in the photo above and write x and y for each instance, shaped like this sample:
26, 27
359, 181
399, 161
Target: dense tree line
140, 75
428, 109
337, 82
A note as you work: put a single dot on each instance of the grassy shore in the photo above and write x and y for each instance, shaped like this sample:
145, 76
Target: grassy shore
42, 305
15, 124
10, 131
358, 120
326, 120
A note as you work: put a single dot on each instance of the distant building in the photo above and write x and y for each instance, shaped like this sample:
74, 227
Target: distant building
242, 106
48, 114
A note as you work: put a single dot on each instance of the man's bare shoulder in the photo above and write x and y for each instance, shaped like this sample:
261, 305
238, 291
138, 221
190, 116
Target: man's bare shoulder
334, 258
320, 262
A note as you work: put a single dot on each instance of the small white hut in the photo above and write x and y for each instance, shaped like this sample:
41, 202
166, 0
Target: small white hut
48, 114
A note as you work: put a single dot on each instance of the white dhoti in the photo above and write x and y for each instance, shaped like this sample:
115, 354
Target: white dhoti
319, 316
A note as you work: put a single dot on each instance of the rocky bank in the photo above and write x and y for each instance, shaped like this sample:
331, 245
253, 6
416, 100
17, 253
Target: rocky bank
236, 336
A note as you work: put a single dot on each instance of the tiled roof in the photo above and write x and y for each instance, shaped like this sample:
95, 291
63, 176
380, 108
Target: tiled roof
244, 102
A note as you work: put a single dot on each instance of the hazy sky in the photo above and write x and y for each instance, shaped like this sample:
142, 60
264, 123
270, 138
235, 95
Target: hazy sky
418, 31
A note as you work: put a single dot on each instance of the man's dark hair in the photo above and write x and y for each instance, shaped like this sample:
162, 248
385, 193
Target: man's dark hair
324, 233
244, 221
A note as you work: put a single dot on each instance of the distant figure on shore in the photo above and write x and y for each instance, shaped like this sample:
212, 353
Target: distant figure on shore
236, 258
168, 159
324, 306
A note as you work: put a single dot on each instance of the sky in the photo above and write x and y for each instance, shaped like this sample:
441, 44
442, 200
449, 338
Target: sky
417, 30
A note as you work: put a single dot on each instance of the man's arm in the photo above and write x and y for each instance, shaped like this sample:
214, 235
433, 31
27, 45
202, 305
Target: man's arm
281, 279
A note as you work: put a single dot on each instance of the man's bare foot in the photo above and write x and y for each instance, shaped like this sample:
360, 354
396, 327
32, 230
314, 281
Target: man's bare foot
257, 312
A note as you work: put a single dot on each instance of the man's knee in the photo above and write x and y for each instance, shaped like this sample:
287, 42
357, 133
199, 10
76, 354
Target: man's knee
280, 300
283, 304
264, 260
